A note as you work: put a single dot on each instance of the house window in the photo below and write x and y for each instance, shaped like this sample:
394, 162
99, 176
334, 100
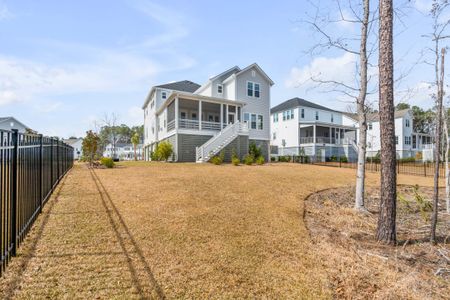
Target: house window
303, 113
260, 122
407, 122
246, 117
274, 136
253, 122
317, 115
370, 126
250, 89
332, 118
164, 95
292, 113
253, 89
284, 116
219, 89
275, 117
396, 139
183, 115
407, 140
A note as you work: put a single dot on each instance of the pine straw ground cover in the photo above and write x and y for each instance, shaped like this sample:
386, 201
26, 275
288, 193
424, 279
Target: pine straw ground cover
161, 230
361, 268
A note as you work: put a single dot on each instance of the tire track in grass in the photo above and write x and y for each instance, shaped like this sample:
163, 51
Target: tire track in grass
106, 200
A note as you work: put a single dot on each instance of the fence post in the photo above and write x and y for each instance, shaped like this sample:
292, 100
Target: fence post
14, 198
340, 162
425, 169
57, 160
398, 167
41, 170
51, 163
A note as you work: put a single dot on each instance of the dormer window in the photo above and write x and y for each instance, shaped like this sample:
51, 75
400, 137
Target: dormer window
164, 95
219, 89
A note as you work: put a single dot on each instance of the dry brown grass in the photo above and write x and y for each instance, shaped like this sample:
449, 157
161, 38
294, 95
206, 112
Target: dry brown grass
361, 268
178, 231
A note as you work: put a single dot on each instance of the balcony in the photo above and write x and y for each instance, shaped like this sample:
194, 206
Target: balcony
194, 125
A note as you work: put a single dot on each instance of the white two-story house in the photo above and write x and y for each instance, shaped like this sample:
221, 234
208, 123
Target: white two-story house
300, 127
227, 113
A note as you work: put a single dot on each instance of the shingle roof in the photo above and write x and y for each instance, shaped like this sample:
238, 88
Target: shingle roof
182, 86
375, 116
296, 102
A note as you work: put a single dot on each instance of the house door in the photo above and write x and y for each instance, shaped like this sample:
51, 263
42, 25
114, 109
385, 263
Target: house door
231, 118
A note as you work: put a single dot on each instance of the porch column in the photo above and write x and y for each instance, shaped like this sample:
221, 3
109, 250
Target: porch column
330, 137
200, 115
221, 116
314, 133
226, 116
176, 112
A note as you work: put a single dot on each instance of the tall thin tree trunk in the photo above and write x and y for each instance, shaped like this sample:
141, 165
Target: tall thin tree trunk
438, 138
135, 155
386, 231
361, 109
447, 149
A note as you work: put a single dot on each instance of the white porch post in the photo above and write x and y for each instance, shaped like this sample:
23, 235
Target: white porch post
226, 116
330, 136
200, 115
221, 116
314, 133
176, 112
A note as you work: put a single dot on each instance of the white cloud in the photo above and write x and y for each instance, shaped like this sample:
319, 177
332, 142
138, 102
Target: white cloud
5, 13
341, 68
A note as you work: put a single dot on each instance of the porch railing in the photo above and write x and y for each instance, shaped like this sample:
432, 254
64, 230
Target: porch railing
325, 140
188, 124
171, 125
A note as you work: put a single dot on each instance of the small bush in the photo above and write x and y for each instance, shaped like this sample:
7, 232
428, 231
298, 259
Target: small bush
164, 151
234, 158
273, 159
218, 159
333, 158
248, 159
285, 158
254, 150
260, 160
344, 159
107, 162
407, 159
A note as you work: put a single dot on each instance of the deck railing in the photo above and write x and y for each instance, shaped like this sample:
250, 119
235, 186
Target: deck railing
30, 168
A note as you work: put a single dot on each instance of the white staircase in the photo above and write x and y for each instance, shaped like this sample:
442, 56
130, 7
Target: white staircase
220, 141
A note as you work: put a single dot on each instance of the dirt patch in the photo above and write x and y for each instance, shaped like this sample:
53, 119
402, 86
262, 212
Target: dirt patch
359, 267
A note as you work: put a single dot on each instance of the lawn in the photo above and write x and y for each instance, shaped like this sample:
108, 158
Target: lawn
162, 230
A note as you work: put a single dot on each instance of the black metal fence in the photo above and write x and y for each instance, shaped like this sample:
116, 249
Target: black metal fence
30, 168
416, 168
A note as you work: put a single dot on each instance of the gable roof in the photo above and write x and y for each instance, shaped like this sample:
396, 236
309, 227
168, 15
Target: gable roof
255, 65
296, 102
5, 119
182, 86
72, 141
374, 117
226, 73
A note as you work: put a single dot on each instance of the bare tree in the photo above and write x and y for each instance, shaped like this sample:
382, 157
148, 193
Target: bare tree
110, 121
358, 91
386, 231
438, 34
447, 149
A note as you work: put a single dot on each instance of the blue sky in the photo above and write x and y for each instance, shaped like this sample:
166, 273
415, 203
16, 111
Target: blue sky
64, 64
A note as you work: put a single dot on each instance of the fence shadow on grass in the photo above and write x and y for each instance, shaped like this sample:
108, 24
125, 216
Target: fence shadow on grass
32, 242
104, 195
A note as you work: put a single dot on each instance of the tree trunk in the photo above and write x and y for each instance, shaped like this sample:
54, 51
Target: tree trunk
447, 149
386, 231
135, 155
361, 109
438, 138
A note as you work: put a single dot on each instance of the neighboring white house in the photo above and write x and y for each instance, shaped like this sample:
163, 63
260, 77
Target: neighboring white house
302, 127
226, 113
8, 123
77, 145
123, 151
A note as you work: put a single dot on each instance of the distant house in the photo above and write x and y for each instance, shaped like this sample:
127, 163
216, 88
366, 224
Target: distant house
8, 123
227, 113
123, 151
301, 127
77, 145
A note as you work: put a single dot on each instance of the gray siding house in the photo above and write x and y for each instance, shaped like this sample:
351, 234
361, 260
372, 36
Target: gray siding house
8, 123
226, 113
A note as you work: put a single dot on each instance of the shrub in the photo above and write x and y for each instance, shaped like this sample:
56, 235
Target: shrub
218, 159
333, 158
407, 159
285, 158
234, 158
107, 162
260, 160
272, 158
164, 151
248, 159
254, 150
344, 159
